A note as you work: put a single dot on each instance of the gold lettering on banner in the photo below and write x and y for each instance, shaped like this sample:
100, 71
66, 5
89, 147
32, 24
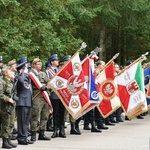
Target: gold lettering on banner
67, 73
137, 98
127, 76
65, 95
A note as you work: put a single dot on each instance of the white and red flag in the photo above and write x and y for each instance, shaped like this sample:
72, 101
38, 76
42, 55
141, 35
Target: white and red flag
69, 84
88, 69
108, 91
131, 90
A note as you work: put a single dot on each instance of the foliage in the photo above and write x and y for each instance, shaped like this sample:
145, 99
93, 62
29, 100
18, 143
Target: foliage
40, 28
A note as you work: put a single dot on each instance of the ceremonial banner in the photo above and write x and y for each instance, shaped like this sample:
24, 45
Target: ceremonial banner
39, 85
88, 69
69, 84
147, 85
108, 91
131, 90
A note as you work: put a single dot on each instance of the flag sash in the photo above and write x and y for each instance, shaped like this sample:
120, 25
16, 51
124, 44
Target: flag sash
39, 85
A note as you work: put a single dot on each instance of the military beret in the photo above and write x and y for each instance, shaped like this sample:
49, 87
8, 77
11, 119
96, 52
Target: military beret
66, 58
36, 60
5, 69
12, 62
53, 57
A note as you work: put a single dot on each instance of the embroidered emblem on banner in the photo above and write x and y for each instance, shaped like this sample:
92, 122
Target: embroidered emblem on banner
94, 95
132, 87
74, 103
59, 83
76, 67
75, 85
108, 89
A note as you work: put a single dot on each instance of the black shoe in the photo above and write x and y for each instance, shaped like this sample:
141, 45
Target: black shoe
113, 121
42, 136
5, 144
62, 134
75, 132
30, 142
87, 128
12, 144
22, 142
50, 128
94, 129
119, 120
55, 134
126, 118
33, 135
109, 124
78, 130
140, 117
103, 127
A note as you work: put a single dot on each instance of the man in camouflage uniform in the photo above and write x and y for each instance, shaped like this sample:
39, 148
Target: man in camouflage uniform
12, 64
40, 109
6, 101
1, 65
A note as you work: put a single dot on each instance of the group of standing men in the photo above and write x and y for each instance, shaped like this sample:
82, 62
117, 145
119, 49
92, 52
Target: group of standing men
21, 94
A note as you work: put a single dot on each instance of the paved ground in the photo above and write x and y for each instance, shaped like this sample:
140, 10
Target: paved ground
129, 135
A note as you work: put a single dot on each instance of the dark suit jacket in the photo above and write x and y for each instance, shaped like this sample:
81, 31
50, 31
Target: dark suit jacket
24, 90
53, 94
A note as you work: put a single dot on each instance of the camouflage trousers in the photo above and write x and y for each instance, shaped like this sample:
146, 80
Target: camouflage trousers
5, 127
12, 119
40, 112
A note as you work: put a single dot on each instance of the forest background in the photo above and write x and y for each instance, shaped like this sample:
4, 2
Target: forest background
40, 28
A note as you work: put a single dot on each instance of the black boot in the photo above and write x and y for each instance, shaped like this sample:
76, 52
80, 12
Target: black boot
33, 135
12, 144
77, 126
62, 132
94, 128
42, 136
55, 133
49, 126
5, 144
73, 129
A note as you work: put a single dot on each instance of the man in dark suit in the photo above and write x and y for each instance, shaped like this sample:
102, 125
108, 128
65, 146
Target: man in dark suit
58, 107
24, 104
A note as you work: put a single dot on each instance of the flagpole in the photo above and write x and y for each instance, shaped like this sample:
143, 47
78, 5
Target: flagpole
95, 52
140, 59
113, 58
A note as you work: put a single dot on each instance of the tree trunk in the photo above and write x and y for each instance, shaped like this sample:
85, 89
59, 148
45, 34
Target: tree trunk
102, 54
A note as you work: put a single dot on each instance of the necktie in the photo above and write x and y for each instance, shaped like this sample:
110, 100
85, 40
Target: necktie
55, 70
